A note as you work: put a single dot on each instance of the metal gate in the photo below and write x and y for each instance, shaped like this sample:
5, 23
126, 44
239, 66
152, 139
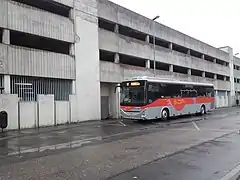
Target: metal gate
104, 107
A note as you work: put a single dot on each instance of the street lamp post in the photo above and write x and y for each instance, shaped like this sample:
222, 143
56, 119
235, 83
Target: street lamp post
154, 44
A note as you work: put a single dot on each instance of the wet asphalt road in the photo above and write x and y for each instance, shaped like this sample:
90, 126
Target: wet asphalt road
103, 146
208, 161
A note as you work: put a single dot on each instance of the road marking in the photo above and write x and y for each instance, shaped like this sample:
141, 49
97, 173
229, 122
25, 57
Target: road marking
122, 123
195, 125
233, 174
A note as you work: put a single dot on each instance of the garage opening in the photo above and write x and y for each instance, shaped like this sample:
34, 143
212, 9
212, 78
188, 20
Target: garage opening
195, 72
1, 35
159, 66
208, 58
159, 42
179, 48
179, 69
106, 56
105, 24
220, 77
223, 63
48, 5
195, 54
130, 60
126, 31
38, 42
209, 75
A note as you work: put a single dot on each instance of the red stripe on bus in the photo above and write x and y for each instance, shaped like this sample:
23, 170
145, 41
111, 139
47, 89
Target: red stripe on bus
201, 100
177, 103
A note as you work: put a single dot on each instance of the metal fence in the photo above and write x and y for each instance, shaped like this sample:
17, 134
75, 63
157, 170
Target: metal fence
28, 88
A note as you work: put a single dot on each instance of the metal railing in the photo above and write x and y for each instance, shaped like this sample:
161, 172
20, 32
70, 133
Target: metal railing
28, 88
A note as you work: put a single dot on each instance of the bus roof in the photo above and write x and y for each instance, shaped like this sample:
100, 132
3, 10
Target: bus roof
165, 80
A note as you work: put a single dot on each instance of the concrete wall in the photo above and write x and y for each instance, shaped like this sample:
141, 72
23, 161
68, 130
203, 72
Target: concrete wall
28, 115
62, 112
127, 71
125, 17
87, 61
236, 60
113, 42
46, 110
3, 12
9, 103
236, 73
31, 20
32, 62
73, 109
65, 2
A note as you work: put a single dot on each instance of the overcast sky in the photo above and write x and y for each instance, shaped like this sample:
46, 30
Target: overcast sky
216, 22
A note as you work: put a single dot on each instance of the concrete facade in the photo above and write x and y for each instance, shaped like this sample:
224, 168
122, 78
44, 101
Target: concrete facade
99, 44
201, 62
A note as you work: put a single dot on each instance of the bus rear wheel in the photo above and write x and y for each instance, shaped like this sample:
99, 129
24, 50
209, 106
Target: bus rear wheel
165, 114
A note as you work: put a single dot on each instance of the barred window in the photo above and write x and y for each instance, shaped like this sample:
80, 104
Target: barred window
28, 88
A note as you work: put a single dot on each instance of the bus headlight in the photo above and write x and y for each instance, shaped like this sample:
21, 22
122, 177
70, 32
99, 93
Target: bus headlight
143, 115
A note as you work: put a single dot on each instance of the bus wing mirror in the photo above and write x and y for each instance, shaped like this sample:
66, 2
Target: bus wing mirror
115, 90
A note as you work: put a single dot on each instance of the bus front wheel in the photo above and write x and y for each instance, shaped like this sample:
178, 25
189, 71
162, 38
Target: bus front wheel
165, 114
203, 110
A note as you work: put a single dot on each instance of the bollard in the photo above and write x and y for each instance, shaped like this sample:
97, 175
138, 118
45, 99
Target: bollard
3, 120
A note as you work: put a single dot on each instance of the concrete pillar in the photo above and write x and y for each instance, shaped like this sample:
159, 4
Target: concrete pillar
203, 74
114, 101
225, 78
170, 46
232, 89
71, 14
189, 72
188, 51
226, 99
116, 28
171, 68
214, 60
203, 56
147, 38
148, 64
216, 99
7, 84
73, 87
116, 58
72, 50
6, 36
215, 76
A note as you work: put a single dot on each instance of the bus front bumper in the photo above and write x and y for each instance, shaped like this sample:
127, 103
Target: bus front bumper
141, 115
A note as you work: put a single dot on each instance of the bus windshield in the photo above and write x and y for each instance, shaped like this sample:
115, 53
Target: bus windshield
132, 96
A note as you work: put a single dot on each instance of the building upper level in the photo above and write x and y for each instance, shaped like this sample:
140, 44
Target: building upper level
48, 19
142, 27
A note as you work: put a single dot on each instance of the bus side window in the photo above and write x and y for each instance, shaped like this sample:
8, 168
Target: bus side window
153, 92
193, 93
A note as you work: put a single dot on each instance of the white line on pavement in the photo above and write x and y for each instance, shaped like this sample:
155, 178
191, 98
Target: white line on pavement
122, 123
195, 125
233, 174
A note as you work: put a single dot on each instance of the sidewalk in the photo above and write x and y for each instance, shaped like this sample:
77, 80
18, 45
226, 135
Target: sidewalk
26, 132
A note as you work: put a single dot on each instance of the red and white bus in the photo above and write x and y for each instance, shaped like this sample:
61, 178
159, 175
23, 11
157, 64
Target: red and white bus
145, 98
